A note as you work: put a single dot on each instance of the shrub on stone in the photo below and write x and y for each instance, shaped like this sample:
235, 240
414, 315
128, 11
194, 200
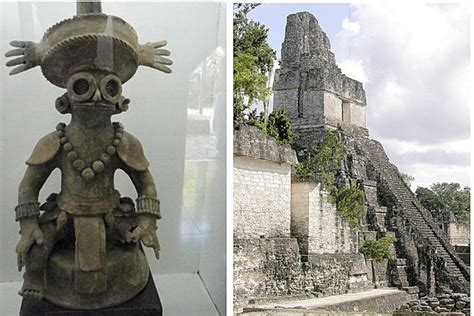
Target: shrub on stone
279, 126
323, 161
378, 249
350, 204
257, 120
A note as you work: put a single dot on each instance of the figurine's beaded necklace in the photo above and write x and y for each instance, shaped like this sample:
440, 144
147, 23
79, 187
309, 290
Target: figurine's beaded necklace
97, 166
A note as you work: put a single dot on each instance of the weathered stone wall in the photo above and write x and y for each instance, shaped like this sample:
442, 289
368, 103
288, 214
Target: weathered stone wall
332, 108
300, 202
262, 185
288, 99
330, 274
447, 303
357, 115
304, 38
265, 268
261, 198
273, 267
315, 222
459, 234
250, 142
380, 272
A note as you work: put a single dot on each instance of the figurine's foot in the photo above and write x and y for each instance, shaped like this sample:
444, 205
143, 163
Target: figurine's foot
36, 294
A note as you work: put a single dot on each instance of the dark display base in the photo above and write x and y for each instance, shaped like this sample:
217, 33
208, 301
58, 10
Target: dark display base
147, 303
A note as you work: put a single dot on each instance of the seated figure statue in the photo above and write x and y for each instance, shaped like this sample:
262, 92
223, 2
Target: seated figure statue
81, 248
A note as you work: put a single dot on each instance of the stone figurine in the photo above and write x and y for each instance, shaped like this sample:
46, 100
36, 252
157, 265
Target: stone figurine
81, 248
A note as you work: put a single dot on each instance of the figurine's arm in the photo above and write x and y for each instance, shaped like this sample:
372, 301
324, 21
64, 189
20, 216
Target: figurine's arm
40, 165
27, 211
148, 209
151, 55
135, 165
29, 56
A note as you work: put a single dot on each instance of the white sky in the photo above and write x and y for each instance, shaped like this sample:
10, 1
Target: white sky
414, 63
413, 59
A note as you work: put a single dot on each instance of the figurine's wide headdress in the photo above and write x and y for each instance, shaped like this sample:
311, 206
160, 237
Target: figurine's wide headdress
89, 40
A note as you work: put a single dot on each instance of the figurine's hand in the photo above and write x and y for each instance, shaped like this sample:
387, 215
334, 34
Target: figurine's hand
151, 55
30, 234
29, 56
146, 233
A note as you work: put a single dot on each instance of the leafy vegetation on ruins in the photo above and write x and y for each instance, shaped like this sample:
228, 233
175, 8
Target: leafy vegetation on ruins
442, 199
378, 249
278, 125
323, 163
350, 204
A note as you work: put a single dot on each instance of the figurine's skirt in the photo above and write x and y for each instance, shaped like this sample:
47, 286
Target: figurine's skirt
127, 274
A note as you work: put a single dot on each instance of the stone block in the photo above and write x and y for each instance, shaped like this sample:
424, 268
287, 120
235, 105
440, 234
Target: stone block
441, 309
446, 301
458, 296
411, 289
448, 306
434, 304
443, 296
460, 305
401, 262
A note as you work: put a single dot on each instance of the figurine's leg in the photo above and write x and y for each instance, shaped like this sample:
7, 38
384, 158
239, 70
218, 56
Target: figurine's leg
90, 276
33, 278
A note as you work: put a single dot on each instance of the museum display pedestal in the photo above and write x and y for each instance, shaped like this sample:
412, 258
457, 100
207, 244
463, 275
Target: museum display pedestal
147, 303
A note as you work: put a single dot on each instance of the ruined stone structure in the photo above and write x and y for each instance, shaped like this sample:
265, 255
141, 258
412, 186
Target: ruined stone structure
320, 256
315, 223
262, 168
448, 303
288, 239
459, 235
310, 86
312, 90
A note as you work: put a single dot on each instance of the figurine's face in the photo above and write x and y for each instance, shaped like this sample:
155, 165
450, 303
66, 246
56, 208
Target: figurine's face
94, 91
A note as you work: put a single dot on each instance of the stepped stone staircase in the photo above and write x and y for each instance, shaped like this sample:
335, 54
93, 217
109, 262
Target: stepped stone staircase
377, 218
456, 273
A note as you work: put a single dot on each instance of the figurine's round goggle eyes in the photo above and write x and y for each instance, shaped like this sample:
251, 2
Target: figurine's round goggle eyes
111, 88
81, 86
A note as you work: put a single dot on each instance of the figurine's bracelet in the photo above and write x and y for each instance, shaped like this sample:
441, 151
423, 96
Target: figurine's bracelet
29, 209
148, 205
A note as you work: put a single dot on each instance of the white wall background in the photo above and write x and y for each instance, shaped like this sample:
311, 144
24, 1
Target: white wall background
179, 119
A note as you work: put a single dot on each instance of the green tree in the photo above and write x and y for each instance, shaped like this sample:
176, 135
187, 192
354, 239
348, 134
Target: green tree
251, 37
249, 85
253, 60
443, 198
